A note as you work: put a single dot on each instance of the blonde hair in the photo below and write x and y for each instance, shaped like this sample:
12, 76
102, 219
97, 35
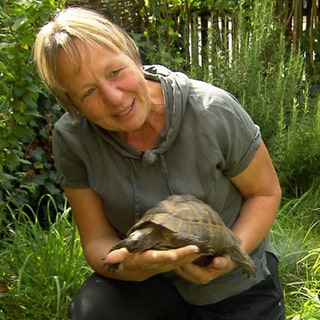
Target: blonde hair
86, 26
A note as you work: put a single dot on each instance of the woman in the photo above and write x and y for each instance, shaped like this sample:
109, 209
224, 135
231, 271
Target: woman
133, 135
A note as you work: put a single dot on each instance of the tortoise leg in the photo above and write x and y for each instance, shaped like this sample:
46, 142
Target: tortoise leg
203, 261
178, 240
183, 239
243, 259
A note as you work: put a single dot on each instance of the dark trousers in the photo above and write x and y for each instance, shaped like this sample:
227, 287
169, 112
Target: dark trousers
156, 299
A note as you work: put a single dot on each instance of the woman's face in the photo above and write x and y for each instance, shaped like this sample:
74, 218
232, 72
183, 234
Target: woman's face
110, 89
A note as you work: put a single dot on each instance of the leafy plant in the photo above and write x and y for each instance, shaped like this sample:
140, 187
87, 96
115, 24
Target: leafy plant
22, 124
296, 149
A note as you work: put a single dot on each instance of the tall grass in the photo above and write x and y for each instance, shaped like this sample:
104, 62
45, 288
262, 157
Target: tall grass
41, 269
305, 292
296, 235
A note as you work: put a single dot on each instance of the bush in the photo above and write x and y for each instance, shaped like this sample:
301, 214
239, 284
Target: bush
296, 148
25, 128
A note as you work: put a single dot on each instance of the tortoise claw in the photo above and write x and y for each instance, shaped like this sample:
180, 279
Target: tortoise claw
112, 266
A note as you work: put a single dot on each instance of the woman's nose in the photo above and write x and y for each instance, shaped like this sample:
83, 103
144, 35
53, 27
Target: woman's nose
111, 93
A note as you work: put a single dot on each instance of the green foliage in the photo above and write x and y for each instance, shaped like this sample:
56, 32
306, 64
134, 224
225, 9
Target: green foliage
296, 147
296, 235
306, 293
299, 245
263, 76
162, 41
294, 240
22, 123
40, 270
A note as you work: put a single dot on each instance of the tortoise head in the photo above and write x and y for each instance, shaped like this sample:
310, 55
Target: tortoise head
139, 240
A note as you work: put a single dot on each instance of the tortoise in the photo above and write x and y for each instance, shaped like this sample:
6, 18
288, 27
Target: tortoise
181, 220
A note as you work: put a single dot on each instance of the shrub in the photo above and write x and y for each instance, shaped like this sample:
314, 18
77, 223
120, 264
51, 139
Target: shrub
24, 127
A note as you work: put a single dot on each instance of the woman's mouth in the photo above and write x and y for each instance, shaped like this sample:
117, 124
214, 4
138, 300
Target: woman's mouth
124, 112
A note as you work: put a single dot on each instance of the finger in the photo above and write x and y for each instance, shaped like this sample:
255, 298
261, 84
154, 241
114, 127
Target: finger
195, 274
117, 256
181, 255
190, 249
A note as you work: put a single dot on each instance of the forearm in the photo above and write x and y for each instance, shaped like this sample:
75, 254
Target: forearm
261, 191
255, 220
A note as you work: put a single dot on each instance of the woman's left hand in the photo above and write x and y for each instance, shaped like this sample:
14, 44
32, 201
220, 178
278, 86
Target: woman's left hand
194, 273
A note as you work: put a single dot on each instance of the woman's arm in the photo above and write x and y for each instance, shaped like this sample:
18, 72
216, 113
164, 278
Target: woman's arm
98, 236
260, 188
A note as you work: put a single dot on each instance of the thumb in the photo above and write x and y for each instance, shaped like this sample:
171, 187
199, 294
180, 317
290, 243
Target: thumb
116, 256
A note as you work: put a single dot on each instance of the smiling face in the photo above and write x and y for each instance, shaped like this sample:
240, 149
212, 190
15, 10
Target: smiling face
109, 88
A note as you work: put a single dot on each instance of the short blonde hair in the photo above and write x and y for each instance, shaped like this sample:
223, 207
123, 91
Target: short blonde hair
86, 26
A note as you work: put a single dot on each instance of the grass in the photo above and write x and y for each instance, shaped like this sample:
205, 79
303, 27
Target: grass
42, 269
296, 235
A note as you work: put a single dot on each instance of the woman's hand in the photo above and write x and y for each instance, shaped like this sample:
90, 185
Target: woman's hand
151, 262
194, 273
148, 263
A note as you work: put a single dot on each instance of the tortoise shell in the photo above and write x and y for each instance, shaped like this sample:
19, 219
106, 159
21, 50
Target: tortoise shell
181, 220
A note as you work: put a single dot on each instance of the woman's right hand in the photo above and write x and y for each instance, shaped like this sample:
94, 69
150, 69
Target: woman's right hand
140, 266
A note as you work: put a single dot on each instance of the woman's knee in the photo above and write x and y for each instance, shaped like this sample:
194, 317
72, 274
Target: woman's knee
102, 299
87, 302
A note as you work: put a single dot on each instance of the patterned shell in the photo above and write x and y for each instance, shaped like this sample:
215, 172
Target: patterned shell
188, 215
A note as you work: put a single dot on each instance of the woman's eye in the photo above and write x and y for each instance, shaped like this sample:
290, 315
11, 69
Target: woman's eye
114, 73
88, 93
